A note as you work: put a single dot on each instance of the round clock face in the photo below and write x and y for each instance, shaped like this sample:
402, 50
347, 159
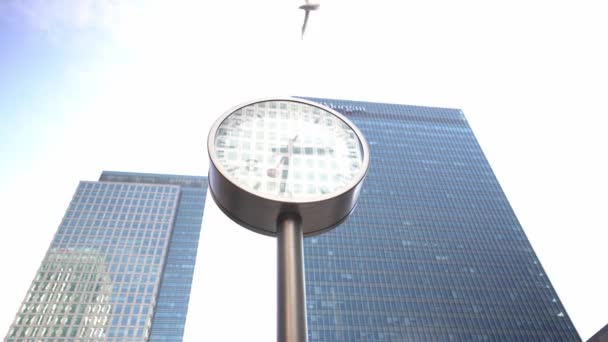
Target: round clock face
288, 149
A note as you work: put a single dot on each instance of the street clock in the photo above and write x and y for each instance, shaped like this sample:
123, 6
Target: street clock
286, 156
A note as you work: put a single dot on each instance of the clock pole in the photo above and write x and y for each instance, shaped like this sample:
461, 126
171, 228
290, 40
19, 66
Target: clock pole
291, 300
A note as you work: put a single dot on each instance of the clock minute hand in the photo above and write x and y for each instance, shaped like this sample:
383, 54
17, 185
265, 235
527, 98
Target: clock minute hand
303, 150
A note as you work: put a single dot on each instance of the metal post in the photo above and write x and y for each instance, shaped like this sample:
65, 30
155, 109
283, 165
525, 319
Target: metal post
291, 308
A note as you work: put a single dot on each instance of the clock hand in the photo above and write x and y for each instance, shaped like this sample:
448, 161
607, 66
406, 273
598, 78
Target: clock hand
304, 149
274, 171
289, 151
283, 188
284, 160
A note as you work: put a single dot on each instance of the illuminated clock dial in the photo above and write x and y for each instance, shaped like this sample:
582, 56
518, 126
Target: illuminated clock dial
288, 149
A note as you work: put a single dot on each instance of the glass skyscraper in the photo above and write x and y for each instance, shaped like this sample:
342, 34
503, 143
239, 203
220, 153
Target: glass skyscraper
433, 251
120, 265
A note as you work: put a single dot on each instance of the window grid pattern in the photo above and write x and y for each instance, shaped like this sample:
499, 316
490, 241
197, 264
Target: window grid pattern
100, 277
433, 251
175, 285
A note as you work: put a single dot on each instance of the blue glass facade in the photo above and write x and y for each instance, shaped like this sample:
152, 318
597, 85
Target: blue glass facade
120, 265
600, 336
433, 251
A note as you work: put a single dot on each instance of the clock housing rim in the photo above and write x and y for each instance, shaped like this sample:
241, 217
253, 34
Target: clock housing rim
356, 180
260, 212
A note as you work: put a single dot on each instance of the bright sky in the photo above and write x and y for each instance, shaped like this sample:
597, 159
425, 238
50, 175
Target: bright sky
88, 85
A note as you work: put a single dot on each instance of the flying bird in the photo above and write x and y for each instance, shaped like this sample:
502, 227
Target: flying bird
307, 7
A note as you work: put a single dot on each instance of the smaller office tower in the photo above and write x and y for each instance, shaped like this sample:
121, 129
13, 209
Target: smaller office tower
120, 265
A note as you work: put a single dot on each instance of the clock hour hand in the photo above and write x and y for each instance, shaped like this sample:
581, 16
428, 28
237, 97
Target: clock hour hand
273, 172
